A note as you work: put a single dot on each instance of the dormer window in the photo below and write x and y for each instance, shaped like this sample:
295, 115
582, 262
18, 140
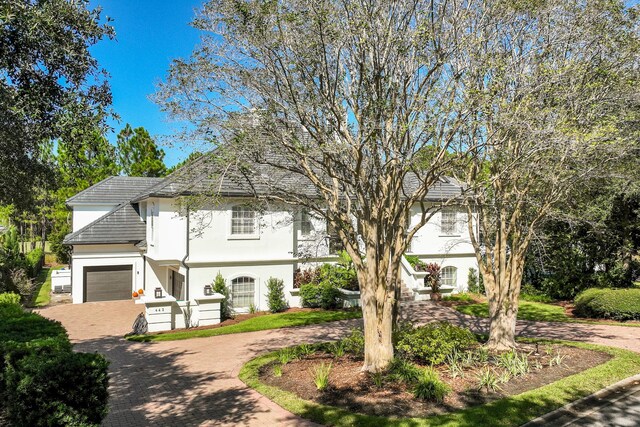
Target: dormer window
243, 221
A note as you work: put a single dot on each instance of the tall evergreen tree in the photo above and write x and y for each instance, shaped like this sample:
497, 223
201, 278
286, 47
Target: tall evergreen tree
138, 154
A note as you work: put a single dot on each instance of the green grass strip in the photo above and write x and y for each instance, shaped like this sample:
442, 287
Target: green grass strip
43, 283
536, 311
509, 411
259, 323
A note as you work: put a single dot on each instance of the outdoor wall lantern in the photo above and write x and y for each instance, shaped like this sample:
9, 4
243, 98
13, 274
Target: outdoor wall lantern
158, 293
208, 290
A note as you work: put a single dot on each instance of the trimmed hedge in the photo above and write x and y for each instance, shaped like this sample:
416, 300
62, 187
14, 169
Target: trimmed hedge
42, 381
616, 304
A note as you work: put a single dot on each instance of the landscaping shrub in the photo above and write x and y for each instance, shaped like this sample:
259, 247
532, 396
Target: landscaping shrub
275, 295
324, 295
62, 389
415, 262
404, 371
220, 286
9, 298
42, 381
340, 275
34, 261
354, 343
22, 283
617, 304
472, 281
433, 342
430, 387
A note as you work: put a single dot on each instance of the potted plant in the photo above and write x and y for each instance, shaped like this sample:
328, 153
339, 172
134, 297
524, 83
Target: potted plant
433, 280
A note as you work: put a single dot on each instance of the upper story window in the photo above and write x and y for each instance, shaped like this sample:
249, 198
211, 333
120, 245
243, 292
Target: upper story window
243, 221
306, 227
448, 222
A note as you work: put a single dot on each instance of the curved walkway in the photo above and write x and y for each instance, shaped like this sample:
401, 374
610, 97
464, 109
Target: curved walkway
195, 382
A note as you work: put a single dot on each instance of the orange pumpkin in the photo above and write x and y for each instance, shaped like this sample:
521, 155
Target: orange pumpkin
140, 291
135, 294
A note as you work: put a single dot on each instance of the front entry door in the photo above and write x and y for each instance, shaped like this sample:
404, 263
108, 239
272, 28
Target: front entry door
176, 285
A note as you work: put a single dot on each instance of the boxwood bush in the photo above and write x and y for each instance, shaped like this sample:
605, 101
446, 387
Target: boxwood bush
432, 343
324, 295
616, 304
42, 381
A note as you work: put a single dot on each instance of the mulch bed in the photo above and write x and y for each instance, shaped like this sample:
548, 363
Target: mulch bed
357, 392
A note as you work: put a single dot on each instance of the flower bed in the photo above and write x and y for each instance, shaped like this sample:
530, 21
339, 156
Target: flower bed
473, 387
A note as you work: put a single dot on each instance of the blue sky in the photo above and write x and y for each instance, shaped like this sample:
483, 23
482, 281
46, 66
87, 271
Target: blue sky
149, 34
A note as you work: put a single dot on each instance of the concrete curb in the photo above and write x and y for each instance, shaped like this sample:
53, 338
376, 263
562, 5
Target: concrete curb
588, 404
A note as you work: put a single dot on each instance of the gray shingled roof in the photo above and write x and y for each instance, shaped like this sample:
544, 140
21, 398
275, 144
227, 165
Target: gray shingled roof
204, 176
122, 225
114, 190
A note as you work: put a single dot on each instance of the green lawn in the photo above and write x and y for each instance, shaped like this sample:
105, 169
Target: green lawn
528, 311
43, 289
509, 411
260, 323
540, 312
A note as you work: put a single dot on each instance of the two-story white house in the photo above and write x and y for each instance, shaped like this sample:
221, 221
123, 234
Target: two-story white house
136, 233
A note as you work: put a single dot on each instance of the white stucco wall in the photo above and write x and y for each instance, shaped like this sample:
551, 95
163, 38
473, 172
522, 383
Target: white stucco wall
103, 255
86, 214
211, 238
202, 275
430, 240
166, 230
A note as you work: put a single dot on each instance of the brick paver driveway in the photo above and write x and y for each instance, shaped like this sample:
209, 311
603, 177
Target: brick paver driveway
194, 382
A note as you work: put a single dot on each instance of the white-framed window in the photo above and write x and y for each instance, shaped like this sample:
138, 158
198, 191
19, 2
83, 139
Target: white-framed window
449, 277
306, 226
448, 222
243, 291
244, 221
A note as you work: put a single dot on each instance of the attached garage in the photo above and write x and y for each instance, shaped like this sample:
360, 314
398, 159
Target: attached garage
108, 282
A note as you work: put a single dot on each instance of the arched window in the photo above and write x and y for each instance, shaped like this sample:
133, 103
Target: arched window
449, 276
243, 291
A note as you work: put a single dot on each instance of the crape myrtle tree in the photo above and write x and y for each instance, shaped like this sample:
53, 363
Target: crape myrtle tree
554, 86
348, 109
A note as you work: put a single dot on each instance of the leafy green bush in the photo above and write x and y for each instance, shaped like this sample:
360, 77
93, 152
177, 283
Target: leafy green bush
617, 304
415, 262
42, 381
275, 295
472, 281
62, 389
354, 343
220, 286
432, 343
341, 275
430, 387
324, 295
9, 298
34, 261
